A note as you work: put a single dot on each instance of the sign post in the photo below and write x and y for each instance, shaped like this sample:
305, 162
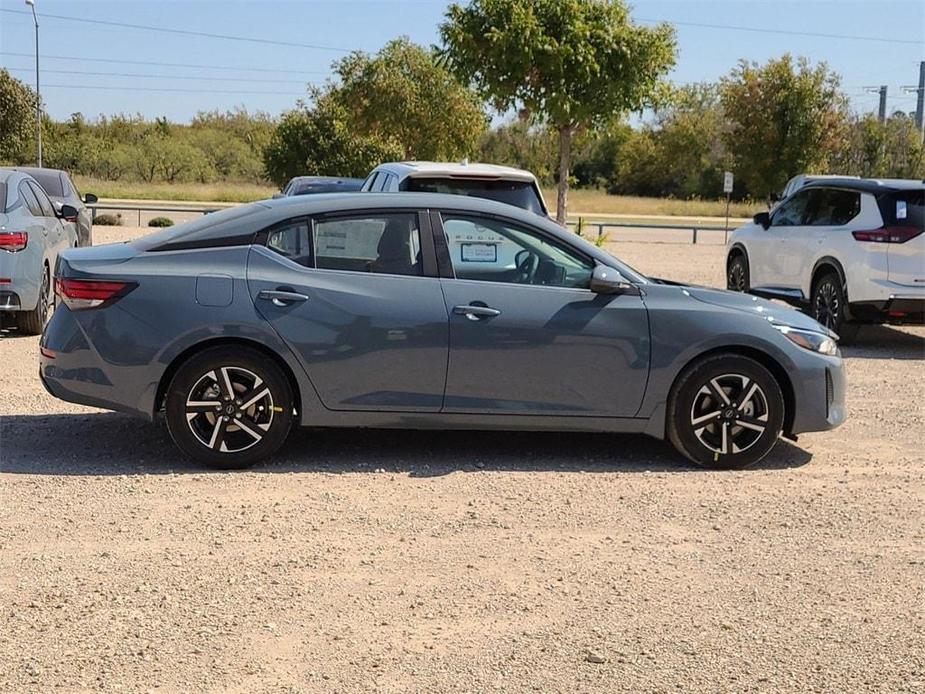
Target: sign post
727, 189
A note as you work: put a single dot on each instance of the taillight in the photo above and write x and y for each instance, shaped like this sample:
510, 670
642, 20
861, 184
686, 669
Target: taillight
13, 240
83, 294
887, 234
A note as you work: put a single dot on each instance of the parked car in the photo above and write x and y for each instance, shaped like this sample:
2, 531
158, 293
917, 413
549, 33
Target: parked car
61, 189
309, 185
502, 183
32, 234
846, 251
349, 311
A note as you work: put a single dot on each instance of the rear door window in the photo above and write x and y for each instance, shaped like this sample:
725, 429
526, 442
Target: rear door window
388, 243
48, 209
31, 202
829, 207
292, 241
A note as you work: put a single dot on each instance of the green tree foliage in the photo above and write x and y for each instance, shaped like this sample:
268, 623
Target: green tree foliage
17, 116
572, 64
892, 149
522, 145
785, 118
403, 94
318, 139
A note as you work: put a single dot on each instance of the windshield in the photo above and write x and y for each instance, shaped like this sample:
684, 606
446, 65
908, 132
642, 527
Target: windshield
521, 194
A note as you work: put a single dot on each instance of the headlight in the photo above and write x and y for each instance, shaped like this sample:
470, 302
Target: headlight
808, 339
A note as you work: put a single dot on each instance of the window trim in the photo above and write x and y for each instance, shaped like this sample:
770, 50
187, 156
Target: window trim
447, 271
25, 184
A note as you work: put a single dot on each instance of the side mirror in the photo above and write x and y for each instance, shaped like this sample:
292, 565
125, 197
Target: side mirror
606, 280
90, 198
68, 213
762, 218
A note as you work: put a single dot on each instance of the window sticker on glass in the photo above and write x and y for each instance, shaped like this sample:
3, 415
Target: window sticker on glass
901, 210
479, 252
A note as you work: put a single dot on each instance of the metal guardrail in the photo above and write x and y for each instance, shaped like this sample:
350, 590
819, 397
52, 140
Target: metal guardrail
601, 227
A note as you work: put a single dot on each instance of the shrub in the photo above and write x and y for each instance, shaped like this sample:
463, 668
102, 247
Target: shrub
161, 222
108, 220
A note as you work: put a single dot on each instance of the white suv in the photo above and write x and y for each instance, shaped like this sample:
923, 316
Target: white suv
847, 251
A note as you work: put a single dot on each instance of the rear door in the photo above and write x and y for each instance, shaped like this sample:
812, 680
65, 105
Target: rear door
357, 298
828, 214
905, 211
60, 234
527, 336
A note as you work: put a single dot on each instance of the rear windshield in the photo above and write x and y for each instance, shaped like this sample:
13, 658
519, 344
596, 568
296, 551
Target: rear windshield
50, 182
517, 193
2, 196
904, 208
214, 224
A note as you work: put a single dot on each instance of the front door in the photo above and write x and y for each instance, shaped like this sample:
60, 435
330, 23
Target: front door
357, 300
527, 336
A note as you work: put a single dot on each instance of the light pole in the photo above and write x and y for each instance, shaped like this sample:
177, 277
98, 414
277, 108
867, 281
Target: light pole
38, 93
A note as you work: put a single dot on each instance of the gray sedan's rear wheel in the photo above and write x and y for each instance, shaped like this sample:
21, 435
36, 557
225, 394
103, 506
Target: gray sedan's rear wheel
229, 407
726, 411
33, 322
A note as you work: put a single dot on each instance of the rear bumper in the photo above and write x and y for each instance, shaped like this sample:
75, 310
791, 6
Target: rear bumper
9, 301
896, 309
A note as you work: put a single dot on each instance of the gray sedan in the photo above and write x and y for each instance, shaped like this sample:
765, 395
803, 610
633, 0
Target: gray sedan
423, 311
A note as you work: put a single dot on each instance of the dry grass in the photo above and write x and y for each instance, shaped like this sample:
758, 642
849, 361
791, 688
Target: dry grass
589, 201
204, 192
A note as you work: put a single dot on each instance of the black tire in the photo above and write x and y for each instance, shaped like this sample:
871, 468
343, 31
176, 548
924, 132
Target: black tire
737, 278
33, 322
234, 433
698, 435
828, 304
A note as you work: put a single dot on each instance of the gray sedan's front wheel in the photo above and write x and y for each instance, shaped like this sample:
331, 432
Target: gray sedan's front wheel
726, 411
229, 407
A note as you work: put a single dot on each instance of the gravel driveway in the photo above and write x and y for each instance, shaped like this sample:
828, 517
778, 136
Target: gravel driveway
408, 561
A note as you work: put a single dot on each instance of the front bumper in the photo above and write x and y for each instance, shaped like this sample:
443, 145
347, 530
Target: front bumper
819, 396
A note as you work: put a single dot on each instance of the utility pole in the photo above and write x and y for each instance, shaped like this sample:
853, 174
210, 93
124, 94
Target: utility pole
38, 92
920, 97
882, 91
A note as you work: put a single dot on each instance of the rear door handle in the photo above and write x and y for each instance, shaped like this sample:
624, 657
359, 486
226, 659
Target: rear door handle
281, 297
476, 312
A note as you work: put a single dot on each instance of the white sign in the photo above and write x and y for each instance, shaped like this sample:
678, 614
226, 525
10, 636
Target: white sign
727, 182
479, 253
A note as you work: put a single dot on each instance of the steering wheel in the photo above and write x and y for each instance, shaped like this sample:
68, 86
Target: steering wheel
527, 263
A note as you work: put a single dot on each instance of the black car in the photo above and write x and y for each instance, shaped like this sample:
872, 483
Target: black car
309, 185
61, 189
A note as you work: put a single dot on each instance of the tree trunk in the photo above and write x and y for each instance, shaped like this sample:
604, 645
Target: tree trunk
565, 154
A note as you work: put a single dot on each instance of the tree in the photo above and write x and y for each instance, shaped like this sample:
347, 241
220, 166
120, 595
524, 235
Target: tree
786, 118
892, 149
402, 93
17, 115
318, 139
572, 64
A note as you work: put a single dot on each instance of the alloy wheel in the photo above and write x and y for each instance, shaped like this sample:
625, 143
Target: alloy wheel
826, 305
736, 278
229, 409
44, 298
729, 414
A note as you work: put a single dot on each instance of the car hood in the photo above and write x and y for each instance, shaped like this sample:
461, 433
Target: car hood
761, 308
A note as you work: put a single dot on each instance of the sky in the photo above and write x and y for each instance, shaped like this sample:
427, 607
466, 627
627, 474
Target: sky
103, 69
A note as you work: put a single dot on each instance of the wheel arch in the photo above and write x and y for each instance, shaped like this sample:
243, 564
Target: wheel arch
826, 264
738, 248
766, 360
198, 347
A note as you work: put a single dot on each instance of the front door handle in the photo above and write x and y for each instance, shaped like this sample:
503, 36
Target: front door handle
476, 312
281, 297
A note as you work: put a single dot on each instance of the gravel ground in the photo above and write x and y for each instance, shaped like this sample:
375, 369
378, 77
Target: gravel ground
402, 561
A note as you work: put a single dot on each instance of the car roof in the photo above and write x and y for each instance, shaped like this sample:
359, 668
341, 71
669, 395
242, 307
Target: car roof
8, 174
867, 185
413, 169
36, 169
322, 179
